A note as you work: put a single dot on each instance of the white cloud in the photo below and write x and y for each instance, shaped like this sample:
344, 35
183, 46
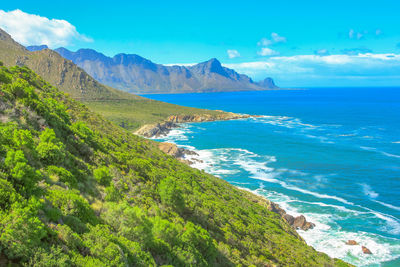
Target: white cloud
317, 70
265, 51
277, 38
264, 42
232, 53
30, 29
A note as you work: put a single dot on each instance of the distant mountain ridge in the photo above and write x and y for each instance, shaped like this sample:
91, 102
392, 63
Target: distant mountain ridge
135, 74
34, 48
57, 70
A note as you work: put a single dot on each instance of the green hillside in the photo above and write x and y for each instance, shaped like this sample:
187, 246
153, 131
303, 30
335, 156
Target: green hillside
123, 108
75, 189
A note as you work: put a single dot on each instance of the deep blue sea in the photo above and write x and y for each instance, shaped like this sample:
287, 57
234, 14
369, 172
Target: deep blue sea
332, 154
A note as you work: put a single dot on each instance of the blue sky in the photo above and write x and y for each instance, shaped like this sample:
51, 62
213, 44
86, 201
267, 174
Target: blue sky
299, 43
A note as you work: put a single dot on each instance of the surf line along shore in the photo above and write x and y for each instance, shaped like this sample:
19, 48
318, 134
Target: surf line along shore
164, 128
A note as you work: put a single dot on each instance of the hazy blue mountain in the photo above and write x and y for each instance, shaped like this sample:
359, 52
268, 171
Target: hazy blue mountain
136, 74
34, 48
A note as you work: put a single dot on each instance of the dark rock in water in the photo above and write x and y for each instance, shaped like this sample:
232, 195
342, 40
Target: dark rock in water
351, 243
365, 250
308, 225
289, 218
275, 208
298, 222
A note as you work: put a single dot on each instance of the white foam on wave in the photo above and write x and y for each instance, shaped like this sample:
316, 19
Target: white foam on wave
284, 121
367, 190
390, 155
381, 152
387, 205
392, 223
176, 134
346, 135
261, 172
295, 123
396, 142
368, 148
214, 160
322, 139
328, 237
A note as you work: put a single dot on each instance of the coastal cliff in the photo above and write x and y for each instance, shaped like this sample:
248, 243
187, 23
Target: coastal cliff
163, 128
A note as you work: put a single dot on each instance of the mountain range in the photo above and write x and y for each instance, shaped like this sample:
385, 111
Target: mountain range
125, 109
135, 74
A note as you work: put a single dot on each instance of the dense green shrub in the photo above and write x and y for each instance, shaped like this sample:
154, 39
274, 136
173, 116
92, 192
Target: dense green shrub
53, 257
60, 174
24, 176
171, 194
8, 195
21, 231
72, 204
50, 149
102, 175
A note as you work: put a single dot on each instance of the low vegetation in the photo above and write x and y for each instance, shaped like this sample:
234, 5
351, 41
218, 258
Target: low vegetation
76, 189
132, 114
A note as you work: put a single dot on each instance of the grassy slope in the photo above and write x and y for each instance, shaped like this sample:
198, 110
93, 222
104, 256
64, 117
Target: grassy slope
77, 189
132, 114
115, 105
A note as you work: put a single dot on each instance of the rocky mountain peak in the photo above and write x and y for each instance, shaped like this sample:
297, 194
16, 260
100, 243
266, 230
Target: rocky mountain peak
34, 48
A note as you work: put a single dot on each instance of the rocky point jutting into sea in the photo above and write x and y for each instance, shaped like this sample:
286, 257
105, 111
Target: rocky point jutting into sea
163, 128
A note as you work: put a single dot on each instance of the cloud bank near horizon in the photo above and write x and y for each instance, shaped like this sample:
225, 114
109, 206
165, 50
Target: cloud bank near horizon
333, 69
30, 29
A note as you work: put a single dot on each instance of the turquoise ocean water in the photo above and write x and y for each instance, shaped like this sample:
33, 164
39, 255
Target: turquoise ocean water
332, 154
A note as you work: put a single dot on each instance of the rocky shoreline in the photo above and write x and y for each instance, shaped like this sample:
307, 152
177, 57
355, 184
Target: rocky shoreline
163, 128
159, 129
180, 153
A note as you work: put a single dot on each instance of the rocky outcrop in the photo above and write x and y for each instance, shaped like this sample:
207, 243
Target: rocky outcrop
178, 152
156, 130
298, 222
365, 250
351, 243
163, 128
